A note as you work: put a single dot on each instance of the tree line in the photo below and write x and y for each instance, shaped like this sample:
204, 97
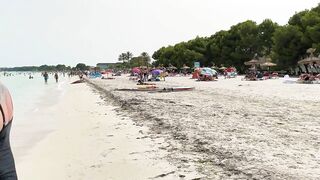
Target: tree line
130, 61
285, 45
59, 67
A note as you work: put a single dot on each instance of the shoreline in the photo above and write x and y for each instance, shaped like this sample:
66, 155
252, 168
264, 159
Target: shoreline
218, 131
25, 135
94, 141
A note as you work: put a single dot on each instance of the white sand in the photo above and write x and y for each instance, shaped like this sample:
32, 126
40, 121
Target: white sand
94, 142
231, 128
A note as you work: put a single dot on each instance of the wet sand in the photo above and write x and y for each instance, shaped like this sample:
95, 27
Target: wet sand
229, 129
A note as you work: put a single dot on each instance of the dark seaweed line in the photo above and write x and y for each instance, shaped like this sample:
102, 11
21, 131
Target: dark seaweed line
197, 147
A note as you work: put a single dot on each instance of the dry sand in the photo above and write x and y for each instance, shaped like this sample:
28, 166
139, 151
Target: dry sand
229, 129
94, 142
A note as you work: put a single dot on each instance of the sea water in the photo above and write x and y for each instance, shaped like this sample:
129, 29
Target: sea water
33, 101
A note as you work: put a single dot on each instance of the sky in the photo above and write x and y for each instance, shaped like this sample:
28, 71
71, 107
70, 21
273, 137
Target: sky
36, 32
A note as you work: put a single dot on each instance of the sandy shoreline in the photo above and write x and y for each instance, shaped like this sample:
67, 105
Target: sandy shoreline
93, 141
230, 129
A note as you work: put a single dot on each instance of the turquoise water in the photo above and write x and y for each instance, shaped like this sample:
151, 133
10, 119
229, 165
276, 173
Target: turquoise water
33, 100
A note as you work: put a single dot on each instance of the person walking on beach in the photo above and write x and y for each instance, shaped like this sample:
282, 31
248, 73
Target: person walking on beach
46, 77
56, 77
7, 165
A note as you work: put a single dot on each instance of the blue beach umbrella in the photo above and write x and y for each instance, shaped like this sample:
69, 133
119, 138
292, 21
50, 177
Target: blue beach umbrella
156, 72
208, 71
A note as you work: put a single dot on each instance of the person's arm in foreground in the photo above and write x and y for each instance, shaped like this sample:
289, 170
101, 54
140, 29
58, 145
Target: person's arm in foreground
7, 166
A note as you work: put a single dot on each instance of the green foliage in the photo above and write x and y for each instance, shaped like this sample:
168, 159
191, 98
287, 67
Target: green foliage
284, 44
142, 60
231, 48
59, 67
288, 46
292, 41
82, 67
125, 57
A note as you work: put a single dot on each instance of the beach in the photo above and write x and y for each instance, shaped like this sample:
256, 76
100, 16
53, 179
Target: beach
91, 140
225, 129
231, 128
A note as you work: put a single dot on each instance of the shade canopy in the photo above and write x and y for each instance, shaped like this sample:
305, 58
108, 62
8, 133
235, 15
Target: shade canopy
252, 62
214, 67
172, 67
309, 60
185, 67
268, 64
136, 70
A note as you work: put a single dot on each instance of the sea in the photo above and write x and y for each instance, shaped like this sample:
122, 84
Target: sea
34, 102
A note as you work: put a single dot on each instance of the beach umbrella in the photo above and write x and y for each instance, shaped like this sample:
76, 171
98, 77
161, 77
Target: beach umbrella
268, 64
172, 67
230, 69
185, 67
156, 72
214, 67
136, 70
252, 62
208, 71
309, 60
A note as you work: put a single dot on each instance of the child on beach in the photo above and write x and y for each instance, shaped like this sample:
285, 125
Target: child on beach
7, 165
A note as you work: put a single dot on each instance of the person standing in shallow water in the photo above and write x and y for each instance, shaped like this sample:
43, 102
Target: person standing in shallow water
56, 77
7, 165
46, 77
